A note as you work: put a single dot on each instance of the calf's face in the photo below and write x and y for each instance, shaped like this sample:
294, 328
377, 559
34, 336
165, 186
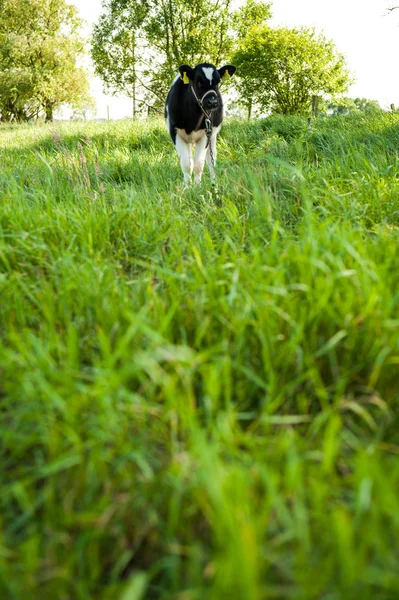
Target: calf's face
205, 79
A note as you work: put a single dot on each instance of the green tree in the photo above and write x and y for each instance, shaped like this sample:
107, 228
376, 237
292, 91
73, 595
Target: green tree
16, 94
40, 44
346, 106
281, 69
251, 13
118, 48
138, 46
367, 106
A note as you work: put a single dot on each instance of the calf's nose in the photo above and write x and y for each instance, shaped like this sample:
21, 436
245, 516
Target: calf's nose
211, 101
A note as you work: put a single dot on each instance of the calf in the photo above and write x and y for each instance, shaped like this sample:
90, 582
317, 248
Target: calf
194, 114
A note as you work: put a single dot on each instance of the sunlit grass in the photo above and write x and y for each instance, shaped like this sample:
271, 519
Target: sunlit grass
198, 388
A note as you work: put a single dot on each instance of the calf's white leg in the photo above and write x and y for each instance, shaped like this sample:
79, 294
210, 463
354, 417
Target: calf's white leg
186, 162
199, 159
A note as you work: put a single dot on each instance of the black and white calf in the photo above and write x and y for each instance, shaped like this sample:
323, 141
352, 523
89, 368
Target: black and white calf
194, 114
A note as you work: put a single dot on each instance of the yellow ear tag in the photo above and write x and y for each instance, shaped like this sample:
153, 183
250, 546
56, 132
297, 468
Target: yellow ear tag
226, 75
185, 79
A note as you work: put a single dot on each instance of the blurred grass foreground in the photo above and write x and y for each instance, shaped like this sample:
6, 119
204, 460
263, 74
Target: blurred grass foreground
199, 392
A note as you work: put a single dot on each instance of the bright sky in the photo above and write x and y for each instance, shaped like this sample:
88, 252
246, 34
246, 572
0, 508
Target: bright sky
361, 30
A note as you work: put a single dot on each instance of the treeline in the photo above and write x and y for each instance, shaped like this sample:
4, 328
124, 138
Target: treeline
137, 46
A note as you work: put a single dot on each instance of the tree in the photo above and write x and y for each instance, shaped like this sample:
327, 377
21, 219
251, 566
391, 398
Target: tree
250, 14
118, 46
346, 106
138, 45
40, 43
281, 69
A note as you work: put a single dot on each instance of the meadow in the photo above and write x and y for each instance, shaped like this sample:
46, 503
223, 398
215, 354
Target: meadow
199, 388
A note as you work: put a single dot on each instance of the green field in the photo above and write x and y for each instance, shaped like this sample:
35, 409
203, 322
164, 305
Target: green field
199, 389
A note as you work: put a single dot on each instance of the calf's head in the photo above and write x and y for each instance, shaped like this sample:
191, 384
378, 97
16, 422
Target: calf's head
205, 79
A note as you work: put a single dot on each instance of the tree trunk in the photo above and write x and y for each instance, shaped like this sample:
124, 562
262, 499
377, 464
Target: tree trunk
315, 106
134, 78
249, 109
48, 109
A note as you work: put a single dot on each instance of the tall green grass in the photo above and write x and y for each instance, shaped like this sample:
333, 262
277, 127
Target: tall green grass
199, 389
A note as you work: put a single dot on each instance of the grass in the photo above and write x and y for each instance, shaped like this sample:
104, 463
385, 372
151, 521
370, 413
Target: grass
199, 389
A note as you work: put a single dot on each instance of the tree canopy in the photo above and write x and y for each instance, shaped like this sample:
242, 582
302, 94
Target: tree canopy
253, 12
40, 43
138, 45
281, 69
118, 48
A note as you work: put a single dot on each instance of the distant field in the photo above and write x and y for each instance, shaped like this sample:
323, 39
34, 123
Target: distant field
199, 390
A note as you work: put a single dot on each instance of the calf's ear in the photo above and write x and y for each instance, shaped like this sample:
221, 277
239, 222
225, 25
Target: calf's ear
186, 73
227, 71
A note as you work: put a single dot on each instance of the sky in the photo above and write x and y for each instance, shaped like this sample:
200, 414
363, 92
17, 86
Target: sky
361, 30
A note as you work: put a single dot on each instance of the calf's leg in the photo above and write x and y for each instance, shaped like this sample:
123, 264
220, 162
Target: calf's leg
199, 159
186, 162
